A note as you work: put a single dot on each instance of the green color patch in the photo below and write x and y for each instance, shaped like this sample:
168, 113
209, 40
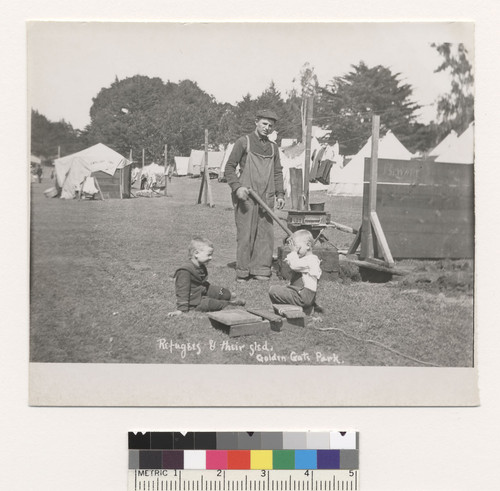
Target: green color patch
283, 459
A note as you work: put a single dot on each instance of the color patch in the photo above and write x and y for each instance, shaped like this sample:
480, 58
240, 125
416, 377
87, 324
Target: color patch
349, 459
216, 459
162, 440
238, 459
249, 441
261, 459
133, 459
318, 440
343, 439
195, 459
184, 442
294, 441
139, 441
283, 459
305, 459
271, 440
205, 441
328, 459
172, 459
227, 441
150, 459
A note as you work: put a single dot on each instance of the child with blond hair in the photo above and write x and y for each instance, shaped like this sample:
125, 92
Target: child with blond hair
192, 290
306, 272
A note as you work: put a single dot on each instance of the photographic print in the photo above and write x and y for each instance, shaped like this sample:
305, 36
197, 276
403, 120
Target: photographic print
225, 204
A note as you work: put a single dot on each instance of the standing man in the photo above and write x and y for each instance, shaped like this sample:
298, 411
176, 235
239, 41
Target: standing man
259, 169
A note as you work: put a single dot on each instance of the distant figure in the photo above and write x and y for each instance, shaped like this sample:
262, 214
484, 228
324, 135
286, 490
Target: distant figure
192, 289
306, 273
39, 172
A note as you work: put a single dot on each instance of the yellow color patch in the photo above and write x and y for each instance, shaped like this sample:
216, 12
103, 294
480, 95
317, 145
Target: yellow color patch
261, 459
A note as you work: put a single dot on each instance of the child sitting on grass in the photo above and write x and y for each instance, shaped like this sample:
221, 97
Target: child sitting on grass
306, 272
192, 289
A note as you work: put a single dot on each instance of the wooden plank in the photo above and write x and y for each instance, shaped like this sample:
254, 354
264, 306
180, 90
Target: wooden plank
296, 189
307, 163
233, 317
401, 189
382, 241
377, 267
342, 228
423, 172
275, 321
370, 193
260, 327
289, 311
355, 244
431, 245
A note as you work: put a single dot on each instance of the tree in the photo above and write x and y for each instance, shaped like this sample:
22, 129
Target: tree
456, 109
347, 104
145, 113
48, 136
308, 86
240, 120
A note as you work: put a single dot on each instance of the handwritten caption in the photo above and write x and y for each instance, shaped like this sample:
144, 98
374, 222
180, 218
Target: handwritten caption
261, 352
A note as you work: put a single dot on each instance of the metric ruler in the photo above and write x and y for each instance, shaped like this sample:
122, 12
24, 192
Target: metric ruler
243, 480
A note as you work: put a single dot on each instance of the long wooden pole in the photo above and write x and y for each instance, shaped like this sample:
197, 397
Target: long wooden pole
165, 177
208, 194
205, 169
370, 204
268, 210
309, 118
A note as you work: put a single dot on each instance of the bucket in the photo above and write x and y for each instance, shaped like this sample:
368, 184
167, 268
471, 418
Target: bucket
317, 206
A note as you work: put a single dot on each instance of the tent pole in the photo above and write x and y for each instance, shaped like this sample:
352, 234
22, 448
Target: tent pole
165, 177
307, 163
208, 193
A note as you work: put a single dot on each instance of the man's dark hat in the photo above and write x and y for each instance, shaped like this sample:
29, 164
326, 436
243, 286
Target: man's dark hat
267, 113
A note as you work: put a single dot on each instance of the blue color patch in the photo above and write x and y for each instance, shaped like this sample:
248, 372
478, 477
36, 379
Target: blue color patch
328, 459
305, 459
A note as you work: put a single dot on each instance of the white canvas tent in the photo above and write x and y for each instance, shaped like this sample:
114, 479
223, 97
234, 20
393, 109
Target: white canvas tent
348, 180
445, 144
181, 165
196, 162
227, 153
294, 157
462, 151
35, 160
72, 170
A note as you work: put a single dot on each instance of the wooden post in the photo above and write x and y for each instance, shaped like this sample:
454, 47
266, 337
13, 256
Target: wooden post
309, 118
205, 169
142, 160
296, 188
58, 151
208, 193
370, 204
165, 177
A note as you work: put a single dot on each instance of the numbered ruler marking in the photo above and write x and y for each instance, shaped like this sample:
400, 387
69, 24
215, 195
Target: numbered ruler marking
237, 480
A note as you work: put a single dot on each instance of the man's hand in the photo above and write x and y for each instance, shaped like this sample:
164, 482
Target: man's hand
280, 203
242, 193
175, 313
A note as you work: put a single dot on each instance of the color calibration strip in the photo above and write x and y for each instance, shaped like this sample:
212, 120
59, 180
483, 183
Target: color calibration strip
244, 450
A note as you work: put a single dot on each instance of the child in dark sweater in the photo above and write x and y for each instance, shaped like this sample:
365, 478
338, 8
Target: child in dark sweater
192, 290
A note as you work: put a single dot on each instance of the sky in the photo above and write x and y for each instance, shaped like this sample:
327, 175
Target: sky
69, 62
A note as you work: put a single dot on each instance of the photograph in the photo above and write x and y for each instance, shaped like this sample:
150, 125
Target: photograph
284, 198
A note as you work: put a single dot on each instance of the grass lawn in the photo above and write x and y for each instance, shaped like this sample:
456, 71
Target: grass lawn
101, 288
